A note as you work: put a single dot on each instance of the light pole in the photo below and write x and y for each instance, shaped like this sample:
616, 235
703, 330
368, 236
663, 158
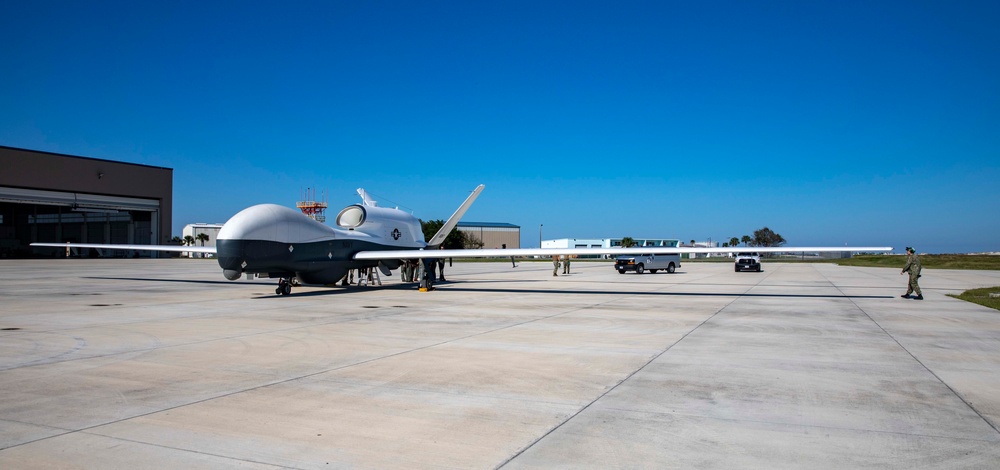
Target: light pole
539, 235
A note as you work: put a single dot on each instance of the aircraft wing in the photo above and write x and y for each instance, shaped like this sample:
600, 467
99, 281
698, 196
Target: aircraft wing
177, 248
448, 226
549, 252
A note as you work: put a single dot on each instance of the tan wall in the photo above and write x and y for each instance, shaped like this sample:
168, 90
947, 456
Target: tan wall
29, 169
495, 238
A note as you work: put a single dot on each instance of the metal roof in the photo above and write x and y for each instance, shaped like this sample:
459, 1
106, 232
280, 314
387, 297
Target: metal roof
487, 224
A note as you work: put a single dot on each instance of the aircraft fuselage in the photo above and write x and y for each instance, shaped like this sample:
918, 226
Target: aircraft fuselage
275, 241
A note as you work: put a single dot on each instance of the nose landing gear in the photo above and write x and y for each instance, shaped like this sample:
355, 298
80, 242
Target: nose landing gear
284, 286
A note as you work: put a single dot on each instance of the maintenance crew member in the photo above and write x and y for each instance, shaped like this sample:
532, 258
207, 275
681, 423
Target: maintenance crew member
912, 266
440, 263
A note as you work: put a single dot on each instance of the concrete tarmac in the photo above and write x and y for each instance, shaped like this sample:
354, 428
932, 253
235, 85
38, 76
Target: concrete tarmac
165, 364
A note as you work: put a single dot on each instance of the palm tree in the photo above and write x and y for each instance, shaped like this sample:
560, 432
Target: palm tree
175, 240
746, 239
628, 242
734, 241
202, 237
188, 240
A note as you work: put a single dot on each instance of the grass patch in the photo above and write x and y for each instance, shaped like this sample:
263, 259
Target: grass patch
980, 296
714, 259
978, 262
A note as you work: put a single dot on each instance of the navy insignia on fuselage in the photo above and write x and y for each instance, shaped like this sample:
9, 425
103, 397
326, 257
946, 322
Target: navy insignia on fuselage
395, 234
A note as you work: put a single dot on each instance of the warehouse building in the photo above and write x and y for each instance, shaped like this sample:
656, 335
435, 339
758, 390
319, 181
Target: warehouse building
50, 197
493, 234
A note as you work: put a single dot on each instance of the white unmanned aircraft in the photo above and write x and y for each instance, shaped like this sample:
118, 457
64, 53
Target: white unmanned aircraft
273, 241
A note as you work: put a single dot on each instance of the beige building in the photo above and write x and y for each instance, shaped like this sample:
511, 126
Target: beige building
50, 197
493, 234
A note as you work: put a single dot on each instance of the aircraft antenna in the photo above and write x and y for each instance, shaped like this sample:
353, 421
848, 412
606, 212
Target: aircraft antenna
366, 199
311, 207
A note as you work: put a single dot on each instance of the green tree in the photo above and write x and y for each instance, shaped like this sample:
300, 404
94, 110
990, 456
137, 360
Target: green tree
175, 241
734, 241
767, 238
746, 240
188, 240
456, 240
470, 241
628, 242
202, 237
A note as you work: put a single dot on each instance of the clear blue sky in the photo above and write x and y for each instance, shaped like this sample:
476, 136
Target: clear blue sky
858, 122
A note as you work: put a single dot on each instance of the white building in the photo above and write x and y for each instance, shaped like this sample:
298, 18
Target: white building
606, 243
710, 244
574, 243
193, 230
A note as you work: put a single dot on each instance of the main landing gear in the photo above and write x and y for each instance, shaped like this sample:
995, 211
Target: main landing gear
284, 286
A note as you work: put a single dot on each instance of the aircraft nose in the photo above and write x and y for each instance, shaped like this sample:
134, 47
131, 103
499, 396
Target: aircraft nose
231, 245
230, 256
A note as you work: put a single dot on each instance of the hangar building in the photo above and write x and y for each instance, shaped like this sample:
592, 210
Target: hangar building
50, 197
493, 234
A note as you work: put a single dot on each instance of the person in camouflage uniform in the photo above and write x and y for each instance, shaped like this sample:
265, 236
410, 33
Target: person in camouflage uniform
912, 266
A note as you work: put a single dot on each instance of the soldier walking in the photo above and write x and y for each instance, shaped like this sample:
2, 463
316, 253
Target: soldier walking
555, 265
440, 263
566, 265
407, 271
512, 263
912, 266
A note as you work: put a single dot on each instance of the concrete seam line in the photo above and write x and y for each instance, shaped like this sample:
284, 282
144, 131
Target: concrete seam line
918, 361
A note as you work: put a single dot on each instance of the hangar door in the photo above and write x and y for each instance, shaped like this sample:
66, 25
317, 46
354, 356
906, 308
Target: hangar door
31, 215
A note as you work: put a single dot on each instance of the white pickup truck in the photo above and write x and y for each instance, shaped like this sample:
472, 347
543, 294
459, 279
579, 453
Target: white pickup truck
748, 261
651, 262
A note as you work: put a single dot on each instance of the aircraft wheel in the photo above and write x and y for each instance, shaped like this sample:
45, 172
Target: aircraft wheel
284, 287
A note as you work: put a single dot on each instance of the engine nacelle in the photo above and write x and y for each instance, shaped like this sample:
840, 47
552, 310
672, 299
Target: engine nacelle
352, 216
